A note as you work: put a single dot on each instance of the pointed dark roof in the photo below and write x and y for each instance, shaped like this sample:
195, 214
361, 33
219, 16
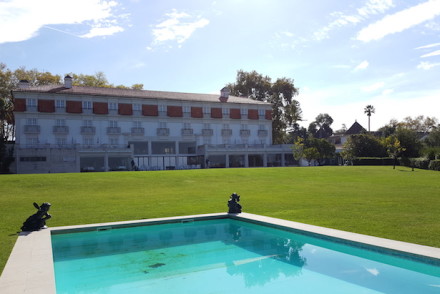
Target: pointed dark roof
355, 129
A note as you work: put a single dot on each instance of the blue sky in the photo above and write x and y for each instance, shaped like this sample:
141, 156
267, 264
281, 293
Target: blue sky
342, 54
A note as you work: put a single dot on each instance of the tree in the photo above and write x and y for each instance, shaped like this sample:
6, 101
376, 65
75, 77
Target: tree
313, 148
409, 140
394, 149
285, 110
310, 154
320, 127
369, 109
364, 145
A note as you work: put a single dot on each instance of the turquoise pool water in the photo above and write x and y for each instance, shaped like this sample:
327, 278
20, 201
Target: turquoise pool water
228, 256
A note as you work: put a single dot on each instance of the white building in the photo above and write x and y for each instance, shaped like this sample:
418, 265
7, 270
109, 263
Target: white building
65, 128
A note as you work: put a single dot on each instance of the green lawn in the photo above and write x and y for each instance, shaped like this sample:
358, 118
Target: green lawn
398, 204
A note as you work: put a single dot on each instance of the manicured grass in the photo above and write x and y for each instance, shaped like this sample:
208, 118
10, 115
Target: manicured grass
398, 204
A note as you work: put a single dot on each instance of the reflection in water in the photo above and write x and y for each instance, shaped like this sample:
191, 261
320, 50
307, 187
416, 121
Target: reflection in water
273, 253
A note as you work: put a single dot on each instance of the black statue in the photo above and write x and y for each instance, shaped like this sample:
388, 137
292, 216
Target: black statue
37, 221
233, 205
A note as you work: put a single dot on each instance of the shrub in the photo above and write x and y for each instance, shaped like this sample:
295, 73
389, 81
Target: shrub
434, 165
422, 163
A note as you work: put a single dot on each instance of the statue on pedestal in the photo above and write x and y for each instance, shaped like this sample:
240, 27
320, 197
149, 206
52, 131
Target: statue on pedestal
37, 221
233, 205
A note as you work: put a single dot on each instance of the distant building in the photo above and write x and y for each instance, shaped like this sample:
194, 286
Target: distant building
339, 139
65, 128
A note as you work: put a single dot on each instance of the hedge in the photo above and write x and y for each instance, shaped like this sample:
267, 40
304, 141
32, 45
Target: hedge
434, 165
373, 161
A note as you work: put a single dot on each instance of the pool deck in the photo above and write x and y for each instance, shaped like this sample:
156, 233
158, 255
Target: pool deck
30, 266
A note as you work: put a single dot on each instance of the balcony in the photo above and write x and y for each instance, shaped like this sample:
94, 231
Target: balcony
60, 130
113, 130
207, 132
137, 131
187, 132
88, 130
245, 133
163, 132
262, 133
31, 129
226, 132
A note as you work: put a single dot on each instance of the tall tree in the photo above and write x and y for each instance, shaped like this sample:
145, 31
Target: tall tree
286, 111
369, 110
320, 128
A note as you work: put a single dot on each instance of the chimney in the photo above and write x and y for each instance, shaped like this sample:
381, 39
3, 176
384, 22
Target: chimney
23, 84
224, 94
67, 82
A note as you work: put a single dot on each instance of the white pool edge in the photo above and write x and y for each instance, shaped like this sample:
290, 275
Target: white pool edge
29, 268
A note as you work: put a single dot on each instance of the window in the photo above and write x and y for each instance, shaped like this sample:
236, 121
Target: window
162, 108
87, 104
88, 123
261, 112
243, 112
61, 141
60, 122
31, 121
186, 109
60, 103
112, 106
88, 141
114, 141
137, 107
206, 110
140, 147
32, 141
163, 147
225, 111
33, 158
31, 102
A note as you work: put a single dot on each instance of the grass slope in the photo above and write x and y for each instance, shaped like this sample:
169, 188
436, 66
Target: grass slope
398, 204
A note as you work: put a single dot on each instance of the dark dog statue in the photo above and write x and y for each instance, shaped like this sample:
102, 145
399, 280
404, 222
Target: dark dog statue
37, 221
233, 205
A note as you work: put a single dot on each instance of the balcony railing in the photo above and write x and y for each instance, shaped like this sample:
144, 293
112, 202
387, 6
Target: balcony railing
60, 129
31, 129
245, 133
137, 131
88, 130
207, 132
262, 133
113, 130
187, 132
226, 132
163, 132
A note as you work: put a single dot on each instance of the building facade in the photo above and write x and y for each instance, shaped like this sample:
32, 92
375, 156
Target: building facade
65, 128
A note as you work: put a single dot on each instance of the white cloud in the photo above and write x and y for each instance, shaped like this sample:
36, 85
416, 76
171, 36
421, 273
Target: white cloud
429, 46
363, 65
96, 32
373, 87
371, 7
24, 18
427, 65
400, 21
175, 29
435, 53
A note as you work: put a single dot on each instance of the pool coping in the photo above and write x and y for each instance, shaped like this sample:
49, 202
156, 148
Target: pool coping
29, 268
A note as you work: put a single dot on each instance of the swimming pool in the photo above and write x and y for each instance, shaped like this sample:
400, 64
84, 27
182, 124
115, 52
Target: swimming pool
230, 256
